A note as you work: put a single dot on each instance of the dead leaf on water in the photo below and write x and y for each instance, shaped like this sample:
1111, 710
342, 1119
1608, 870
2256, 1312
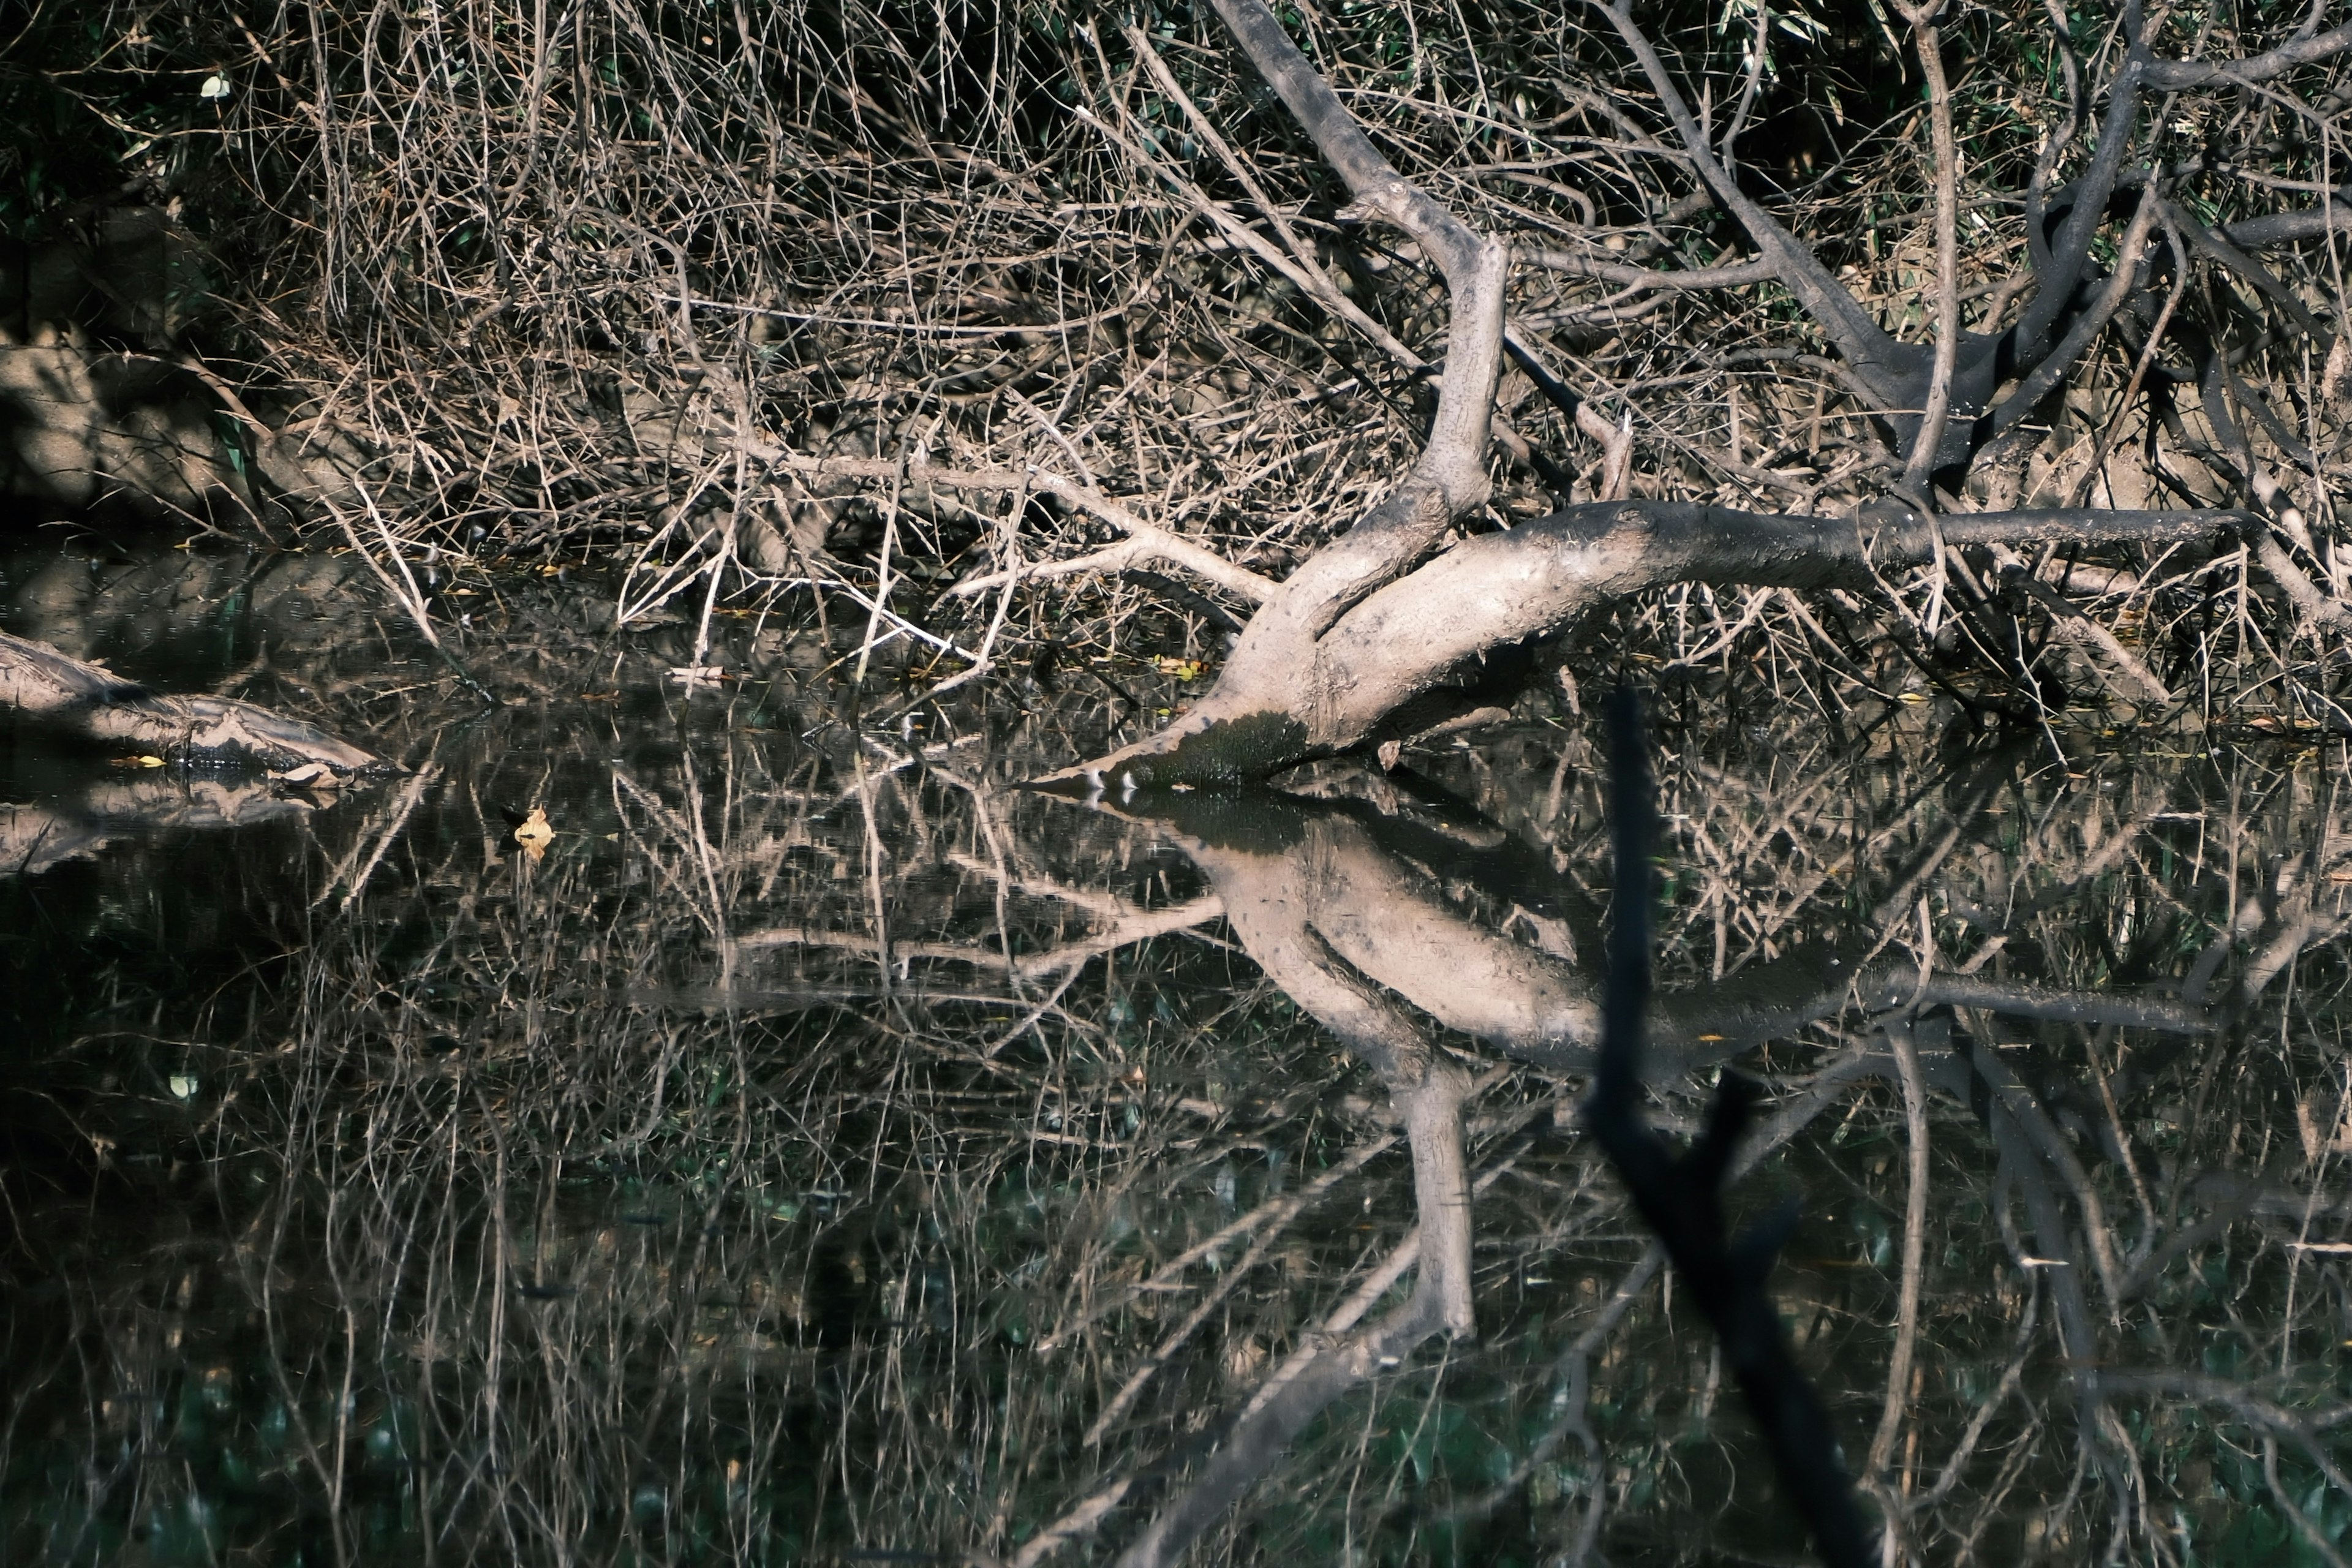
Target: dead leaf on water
535, 834
138, 762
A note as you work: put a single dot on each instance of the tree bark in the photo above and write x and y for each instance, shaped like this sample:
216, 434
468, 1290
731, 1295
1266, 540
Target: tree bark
1425, 651
45, 690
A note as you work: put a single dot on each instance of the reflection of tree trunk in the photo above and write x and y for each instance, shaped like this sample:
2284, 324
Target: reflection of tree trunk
35, 838
65, 697
1344, 908
1428, 1093
1321, 1372
1348, 911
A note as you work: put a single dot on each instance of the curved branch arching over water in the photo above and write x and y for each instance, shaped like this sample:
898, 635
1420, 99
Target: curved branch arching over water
1401, 628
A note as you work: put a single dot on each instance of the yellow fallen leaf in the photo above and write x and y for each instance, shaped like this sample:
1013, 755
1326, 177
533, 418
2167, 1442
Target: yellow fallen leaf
1182, 668
534, 833
138, 762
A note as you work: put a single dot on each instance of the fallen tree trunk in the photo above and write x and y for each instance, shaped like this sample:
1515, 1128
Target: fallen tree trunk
1402, 628
1424, 651
45, 690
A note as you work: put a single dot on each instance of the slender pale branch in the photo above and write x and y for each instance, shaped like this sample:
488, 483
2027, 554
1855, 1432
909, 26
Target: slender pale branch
1927, 439
1453, 245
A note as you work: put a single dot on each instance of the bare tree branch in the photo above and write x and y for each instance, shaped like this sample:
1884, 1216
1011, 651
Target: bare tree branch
2177, 74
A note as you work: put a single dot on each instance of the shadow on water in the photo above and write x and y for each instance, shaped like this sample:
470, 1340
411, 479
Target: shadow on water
821, 1151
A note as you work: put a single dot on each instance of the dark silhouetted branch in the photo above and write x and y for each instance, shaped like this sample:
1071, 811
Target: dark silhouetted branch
1681, 1197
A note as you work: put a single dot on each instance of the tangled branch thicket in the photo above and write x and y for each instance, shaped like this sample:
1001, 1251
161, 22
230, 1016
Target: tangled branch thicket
890, 300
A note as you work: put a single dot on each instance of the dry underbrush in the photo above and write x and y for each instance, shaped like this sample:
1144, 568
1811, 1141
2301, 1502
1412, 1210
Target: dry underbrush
866, 303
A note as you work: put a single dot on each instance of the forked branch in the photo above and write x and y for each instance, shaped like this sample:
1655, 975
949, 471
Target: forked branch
1415, 623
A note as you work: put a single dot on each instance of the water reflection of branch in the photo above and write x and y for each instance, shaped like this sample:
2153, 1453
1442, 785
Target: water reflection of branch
1380, 895
496, 1146
385, 829
1428, 1090
1061, 960
1263, 1223
2272, 1419
1571, 1400
1902, 1390
1369, 922
1326, 1365
35, 838
2050, 1152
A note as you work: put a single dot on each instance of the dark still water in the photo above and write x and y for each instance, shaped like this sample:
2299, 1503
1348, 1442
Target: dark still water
819, 1150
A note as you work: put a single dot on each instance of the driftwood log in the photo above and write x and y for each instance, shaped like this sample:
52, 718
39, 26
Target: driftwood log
44, 690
